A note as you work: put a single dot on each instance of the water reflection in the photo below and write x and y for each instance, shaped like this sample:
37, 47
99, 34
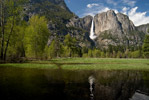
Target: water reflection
91, 82
45, 84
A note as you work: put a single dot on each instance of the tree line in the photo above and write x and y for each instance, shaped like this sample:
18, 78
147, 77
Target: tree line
21, 40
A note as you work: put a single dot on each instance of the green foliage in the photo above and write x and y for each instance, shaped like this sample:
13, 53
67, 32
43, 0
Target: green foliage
56, 49
107, 54
66, 52
85, 55
90, 54
70, 42
135, 54
103, 55
96, 53
114, 54
16, 48
11, 14
127, 53
119, 54
36, 36
146, 46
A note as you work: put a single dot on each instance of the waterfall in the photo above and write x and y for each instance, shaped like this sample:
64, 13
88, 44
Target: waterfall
92, 34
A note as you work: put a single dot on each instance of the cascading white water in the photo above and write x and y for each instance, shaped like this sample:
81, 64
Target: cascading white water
92, 34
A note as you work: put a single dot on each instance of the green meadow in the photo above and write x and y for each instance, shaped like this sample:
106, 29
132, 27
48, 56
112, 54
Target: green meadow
85, 64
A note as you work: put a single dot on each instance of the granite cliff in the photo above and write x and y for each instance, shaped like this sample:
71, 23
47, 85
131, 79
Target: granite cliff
110, 28
116, 29
144, 28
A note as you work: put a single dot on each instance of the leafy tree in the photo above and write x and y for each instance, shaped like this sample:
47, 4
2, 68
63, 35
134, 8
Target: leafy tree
146, 46
56, 49
10, 15
119, 54
16, 48
90, 54
102, 54
36, 36
110, 48
84, 50
71, 44
85, 55
107, 54
126, 53
114, 54
96, 53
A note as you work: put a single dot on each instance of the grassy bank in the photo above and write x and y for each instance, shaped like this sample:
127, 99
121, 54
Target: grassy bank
85, 64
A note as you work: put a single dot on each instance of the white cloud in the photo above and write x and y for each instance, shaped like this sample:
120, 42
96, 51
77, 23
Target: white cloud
95, 11
138, 18
124, 10
92, 5
104, 10
129, 2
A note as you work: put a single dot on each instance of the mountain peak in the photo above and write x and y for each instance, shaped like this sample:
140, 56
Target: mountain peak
110, 11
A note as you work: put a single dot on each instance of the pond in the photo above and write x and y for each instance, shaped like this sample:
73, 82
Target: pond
59, 84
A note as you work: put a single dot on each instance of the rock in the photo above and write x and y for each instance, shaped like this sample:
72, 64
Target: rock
80, 28
84, 23
107, 21
127, 25
116, 29
144, 28
60, 3
139, 96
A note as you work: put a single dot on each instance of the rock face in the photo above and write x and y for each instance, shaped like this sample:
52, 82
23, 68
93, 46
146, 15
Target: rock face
80, 28
107, 21
126, 24
118, 23
115, 29
144, 28
110, 29
84, 23
60, 3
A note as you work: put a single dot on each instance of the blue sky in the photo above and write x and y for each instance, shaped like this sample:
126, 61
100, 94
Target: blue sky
137, 10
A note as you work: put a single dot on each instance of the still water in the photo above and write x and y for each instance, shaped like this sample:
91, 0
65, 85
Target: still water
46, 84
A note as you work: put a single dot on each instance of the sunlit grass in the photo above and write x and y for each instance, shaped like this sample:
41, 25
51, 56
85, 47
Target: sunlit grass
86, 64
